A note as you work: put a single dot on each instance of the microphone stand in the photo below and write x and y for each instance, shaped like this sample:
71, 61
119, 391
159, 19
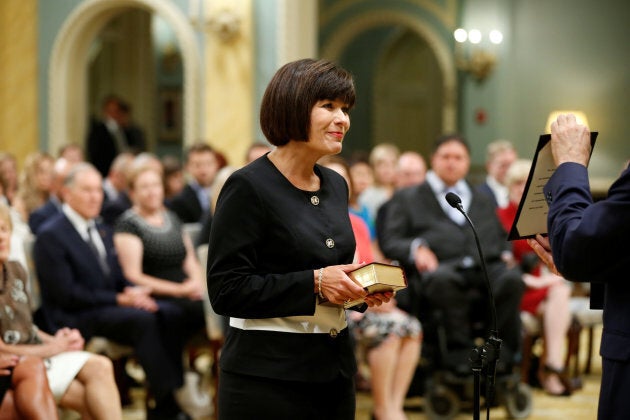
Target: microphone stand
486, 355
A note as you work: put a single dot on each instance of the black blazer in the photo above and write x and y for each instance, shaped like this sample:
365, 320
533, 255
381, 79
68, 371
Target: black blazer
266, 239
186, 205
70, 278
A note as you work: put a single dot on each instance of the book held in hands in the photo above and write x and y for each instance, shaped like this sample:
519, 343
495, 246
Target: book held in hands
377, 278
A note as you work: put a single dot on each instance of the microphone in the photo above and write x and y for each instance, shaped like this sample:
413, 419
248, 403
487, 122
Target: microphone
493, 346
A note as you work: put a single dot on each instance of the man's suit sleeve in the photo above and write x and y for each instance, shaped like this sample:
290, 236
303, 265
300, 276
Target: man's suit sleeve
395, 240
58, 279
588, 238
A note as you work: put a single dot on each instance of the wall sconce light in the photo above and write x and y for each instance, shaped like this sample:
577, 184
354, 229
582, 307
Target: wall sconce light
553, 115
475, 60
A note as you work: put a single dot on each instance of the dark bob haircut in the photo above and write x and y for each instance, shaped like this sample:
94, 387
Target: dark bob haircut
285, 111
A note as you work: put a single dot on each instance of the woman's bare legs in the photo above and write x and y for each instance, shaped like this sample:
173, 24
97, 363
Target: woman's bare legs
408, 358
32, 397
93, 392
392, 366
556, 321
382, 361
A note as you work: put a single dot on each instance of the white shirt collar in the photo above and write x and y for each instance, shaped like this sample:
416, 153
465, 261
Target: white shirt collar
79, 223
439, 189
500, 191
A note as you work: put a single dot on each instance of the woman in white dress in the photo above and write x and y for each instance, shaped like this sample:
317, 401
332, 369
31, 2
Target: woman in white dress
80, 381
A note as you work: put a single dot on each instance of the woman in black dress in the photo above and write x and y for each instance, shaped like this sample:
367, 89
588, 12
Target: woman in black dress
280, 243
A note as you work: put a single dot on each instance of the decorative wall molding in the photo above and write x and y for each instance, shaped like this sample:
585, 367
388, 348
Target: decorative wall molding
339, 40
67, 76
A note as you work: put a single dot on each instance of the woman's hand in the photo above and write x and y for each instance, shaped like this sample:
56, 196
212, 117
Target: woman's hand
7, 362
425, 260
385, 306
72, 338
137, 297
336, 286
375, 301
192, 289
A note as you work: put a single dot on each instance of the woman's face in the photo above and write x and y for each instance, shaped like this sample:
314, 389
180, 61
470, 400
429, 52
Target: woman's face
5, 240
362, 177
329, 124
516, 190
44, 175
148, 191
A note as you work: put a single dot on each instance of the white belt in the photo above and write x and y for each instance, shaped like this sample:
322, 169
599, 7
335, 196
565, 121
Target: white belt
326, 319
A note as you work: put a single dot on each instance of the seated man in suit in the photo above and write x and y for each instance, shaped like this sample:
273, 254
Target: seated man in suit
437, 248
82, 287
192, 205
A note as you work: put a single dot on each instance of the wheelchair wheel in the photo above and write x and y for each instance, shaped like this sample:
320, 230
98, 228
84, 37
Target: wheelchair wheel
441, 403
518, 401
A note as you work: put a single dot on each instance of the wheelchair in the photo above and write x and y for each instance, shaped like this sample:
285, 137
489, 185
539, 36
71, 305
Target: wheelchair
444, 377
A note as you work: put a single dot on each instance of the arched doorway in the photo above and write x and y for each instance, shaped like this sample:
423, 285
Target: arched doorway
429, 74
68, 100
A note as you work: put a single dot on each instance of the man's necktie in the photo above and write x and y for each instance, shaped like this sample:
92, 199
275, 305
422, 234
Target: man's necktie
102, 262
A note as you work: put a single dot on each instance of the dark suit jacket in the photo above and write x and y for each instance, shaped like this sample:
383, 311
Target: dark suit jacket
101, 147
37, 218
414, 212
71, 280
486, 190
112, 209
267, 237
589, 243
186, 205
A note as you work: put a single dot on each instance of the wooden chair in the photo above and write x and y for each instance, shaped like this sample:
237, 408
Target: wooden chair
215, 326
581, 318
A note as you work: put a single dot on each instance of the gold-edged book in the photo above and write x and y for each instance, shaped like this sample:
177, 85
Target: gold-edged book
377, 278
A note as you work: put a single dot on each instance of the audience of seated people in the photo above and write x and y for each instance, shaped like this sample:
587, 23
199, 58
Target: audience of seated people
390, 335
79, 380
437, 248
131, 305
82, 287
546, 295
499, 156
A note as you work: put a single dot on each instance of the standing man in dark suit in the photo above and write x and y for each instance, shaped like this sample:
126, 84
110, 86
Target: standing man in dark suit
588, 243
82, 287
437, 248
106, 138
192, 205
